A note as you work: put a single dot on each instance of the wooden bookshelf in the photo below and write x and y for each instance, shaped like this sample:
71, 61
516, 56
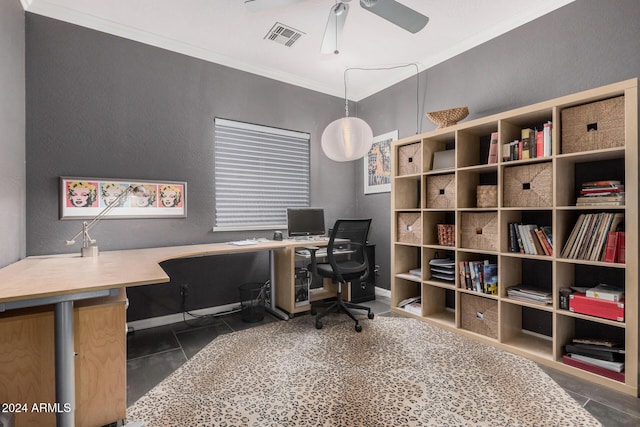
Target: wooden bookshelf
538, 332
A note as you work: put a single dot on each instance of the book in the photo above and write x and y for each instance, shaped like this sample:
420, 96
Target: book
407, 301
568, 360
539, 143
548, 250
414, 307
531, 294
599, 342
493, 148
606, 364
527, 140
601, 353
546, 133
490, 278
621, 248
606, 292
572, 237
611, 250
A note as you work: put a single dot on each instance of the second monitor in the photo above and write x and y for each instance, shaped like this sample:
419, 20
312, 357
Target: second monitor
305, 222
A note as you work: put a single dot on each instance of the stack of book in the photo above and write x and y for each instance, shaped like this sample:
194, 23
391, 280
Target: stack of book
590, 236
530, 294
599, 193
412, 305
602, 357
479, 276
533, 143
530, 239
443, 269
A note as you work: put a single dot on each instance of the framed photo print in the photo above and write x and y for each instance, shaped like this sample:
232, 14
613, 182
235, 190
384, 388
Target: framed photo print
85, 198
377, 164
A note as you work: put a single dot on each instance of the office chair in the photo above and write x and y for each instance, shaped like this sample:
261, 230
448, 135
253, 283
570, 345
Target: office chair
347, 260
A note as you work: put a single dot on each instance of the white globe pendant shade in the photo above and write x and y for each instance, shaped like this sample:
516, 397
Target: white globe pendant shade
346, 139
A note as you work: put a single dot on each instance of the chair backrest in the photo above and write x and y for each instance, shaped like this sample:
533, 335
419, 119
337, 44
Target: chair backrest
356, 232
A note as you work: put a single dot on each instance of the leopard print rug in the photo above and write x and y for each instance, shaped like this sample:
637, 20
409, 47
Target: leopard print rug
396, 372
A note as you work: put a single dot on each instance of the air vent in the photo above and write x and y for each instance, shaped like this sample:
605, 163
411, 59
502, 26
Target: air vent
283, 34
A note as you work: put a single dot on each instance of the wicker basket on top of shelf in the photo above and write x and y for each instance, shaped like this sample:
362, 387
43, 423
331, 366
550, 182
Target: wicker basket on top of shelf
448, 117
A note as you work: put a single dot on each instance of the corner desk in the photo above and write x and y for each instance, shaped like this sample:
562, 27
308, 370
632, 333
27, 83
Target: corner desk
44, 289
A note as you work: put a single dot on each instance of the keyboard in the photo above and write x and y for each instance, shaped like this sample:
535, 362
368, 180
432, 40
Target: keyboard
321, 253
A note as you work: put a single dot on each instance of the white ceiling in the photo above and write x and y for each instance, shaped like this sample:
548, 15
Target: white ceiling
225, 32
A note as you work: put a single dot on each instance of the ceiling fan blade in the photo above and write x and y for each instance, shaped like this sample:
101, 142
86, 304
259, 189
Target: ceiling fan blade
333, 31
397, 13
257, 5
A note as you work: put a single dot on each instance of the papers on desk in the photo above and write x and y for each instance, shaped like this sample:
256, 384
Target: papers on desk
243, 242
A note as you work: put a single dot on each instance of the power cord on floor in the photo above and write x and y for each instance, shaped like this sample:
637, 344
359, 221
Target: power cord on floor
183, 296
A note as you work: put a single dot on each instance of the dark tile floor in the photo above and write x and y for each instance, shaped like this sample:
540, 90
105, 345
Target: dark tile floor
152, 354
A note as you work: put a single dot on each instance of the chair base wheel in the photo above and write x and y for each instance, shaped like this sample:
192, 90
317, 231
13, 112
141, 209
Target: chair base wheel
313, 311
358, 327
318, 324
370, 315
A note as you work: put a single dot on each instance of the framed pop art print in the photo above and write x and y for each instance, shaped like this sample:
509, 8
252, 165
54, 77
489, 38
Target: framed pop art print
85, 198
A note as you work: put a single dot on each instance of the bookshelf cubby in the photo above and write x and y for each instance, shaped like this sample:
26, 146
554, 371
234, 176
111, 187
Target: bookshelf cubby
538, 332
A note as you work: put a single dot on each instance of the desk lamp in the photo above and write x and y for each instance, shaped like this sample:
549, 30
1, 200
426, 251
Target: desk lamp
89, 248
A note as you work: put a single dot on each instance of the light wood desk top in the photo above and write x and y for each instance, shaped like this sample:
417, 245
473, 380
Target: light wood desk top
54, 275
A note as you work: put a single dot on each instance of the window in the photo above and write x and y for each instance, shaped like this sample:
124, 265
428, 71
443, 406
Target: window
259, 172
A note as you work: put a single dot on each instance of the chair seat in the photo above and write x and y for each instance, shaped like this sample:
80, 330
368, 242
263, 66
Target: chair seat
349, 269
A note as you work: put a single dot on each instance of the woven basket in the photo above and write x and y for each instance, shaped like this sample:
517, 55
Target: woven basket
479, 230
593, 126
448, 117
479, 315
410, 159
441, 191
528, 186
487, 196
409, 228
446, 234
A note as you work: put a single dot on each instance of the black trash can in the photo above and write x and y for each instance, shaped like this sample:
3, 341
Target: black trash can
252, 302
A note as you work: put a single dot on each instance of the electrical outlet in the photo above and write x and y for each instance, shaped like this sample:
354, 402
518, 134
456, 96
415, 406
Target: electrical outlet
184, 289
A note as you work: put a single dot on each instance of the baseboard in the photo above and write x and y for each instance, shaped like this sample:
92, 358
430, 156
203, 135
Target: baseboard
153, 322
384, 293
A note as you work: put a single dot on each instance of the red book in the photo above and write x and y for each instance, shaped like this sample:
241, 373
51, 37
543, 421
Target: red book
520, 151
621, 247
568, 360
539, 143
580, 303
611, 251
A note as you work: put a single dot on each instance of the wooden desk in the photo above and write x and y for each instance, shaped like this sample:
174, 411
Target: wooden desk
62, 279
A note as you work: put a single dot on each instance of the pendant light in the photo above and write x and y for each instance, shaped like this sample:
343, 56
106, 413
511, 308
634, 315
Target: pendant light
348, 138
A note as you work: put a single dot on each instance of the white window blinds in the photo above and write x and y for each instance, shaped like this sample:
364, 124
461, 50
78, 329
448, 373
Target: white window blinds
259, 172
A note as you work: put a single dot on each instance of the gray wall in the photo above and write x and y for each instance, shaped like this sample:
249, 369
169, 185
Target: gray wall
586, 44
103, 106
12, 133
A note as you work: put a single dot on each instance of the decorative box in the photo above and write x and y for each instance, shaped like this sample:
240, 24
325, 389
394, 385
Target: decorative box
441, 191
487, 196
528, 186
410, 159
479, 315
580, 303
446, 234
479, 230
410, 227
593, 126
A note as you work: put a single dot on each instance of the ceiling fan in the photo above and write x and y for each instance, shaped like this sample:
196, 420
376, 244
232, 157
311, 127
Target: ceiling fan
391, 10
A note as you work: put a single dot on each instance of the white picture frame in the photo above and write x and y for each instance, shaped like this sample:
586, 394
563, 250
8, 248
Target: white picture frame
84, 198
377, 164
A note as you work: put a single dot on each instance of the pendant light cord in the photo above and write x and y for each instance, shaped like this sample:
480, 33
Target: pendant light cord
346, 100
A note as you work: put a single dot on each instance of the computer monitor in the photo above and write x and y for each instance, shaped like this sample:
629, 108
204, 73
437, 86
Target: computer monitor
305, 222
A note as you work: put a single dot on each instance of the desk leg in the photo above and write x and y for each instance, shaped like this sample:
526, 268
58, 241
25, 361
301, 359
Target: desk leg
272, 280
65, 366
